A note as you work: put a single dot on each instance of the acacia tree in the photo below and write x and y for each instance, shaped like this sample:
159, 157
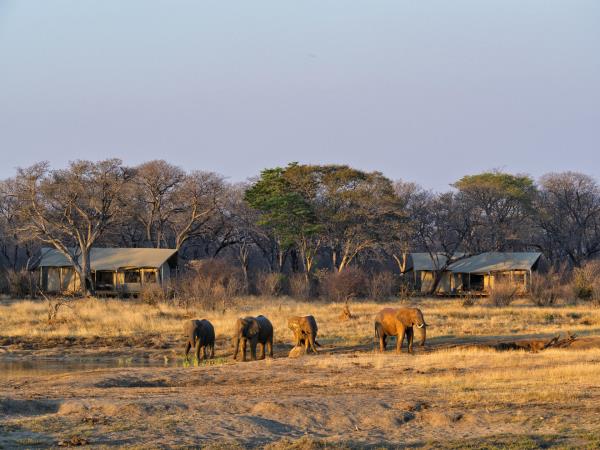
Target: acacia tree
71, 209
285, 213
359, 211
568, 215
500, 205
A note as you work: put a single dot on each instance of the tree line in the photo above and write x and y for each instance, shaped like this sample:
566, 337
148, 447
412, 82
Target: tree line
294, 219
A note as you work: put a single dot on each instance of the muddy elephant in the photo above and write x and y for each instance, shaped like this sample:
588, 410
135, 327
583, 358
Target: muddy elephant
399, 322
305, 332
199, 334
256, 330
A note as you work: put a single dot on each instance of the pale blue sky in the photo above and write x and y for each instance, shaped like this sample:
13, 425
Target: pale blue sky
424, 91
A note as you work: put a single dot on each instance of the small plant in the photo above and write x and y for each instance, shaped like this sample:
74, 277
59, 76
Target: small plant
382, 285
152, 294
468, 300
20, 283
586, 282
546, 289
503, 293
549, 318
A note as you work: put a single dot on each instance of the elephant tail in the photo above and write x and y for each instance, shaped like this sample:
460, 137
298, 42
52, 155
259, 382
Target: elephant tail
377, 331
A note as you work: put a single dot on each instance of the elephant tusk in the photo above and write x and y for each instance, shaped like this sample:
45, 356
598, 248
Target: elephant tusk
421, 326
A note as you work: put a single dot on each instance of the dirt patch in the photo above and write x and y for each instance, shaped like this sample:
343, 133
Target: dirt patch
9, 406
133, 382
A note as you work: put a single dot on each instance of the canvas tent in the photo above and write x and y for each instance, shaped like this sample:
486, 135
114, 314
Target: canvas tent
477, 273
421, 268
114, 270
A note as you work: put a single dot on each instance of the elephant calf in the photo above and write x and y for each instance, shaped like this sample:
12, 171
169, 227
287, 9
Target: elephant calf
399, 322
200, 334
305, 332
257, 330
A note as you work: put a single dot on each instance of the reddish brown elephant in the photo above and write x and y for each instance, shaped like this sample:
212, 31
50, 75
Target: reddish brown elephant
399, 322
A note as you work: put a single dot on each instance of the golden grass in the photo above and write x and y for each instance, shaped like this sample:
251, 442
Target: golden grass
446, 318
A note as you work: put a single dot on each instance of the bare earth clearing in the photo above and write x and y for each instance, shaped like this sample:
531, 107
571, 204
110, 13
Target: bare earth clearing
457, 393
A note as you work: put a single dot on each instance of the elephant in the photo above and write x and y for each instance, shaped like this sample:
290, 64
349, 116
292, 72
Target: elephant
256, 330
399, 322
305, 332
200, 334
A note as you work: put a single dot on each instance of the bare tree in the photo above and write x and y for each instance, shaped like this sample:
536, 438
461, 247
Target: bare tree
568, 214
71, 209
156, 184
441, 225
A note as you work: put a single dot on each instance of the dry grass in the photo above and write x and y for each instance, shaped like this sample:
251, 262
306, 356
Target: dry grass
446, 318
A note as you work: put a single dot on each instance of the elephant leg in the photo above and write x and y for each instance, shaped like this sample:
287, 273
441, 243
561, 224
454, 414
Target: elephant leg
198, 346
253, 344
188, 346
400, 339
313, 338
212, 350
203, 352
270, 341
380, 335
409, 337
244, 350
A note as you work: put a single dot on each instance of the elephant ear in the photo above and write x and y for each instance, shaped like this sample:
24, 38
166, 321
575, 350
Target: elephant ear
252, 327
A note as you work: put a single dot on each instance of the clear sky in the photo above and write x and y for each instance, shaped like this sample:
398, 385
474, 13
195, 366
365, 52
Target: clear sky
424, 91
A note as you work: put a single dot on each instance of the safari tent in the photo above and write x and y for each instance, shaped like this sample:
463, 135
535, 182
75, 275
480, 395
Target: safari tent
478, 273
421, 268
115, 271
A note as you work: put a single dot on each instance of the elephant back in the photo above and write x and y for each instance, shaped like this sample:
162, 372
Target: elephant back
208, 331
312, 323
266, 327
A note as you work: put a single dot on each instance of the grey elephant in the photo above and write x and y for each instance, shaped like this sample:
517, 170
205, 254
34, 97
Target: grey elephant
256, 330
200, 334
399, 322
305, 332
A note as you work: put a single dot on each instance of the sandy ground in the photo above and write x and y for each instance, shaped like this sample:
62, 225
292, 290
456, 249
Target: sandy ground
345, 396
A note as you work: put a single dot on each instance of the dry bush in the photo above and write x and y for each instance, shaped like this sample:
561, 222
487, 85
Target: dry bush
468, 299
299, 286
20, 283
546, 289
349, 283
503, 293
585, 283
405, 290
153, 294
210, 283
272, 284
382, 285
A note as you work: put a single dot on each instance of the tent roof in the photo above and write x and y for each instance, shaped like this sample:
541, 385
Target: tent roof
495, 262
424, 261
112, 258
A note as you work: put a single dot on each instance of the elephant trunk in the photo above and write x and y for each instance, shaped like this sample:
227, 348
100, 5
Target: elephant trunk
423, 331
422, 327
